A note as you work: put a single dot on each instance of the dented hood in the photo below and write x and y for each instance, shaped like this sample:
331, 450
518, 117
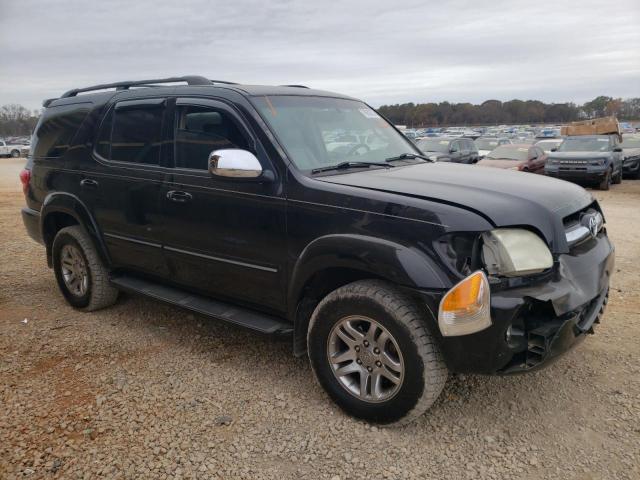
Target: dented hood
503, 197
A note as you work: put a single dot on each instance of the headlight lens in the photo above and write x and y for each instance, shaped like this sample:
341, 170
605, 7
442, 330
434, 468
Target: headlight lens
514, 251
465, 308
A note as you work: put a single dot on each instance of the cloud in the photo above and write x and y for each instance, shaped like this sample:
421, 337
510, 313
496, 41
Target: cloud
382, 52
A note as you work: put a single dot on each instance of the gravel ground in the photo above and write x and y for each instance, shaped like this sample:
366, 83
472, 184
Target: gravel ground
144, 390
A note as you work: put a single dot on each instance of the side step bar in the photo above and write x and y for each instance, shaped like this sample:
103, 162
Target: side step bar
244, 317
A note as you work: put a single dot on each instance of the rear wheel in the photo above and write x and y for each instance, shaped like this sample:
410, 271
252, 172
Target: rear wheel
605, 184
15, 153
371, 351
81, 275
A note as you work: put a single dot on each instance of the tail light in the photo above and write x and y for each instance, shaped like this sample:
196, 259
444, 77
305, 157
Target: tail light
25, 177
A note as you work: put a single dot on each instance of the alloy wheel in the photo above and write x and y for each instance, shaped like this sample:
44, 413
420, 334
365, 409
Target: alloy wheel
365, 359
74, 270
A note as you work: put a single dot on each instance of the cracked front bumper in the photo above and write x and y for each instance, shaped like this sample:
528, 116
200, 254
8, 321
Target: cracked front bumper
533, 324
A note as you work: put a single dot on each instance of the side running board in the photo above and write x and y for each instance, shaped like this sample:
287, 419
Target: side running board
244, 317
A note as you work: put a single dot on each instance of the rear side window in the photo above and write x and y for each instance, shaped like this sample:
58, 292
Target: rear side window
57, 127
132, 132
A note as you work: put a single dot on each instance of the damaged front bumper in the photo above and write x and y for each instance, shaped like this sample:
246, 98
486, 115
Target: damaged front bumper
534, 323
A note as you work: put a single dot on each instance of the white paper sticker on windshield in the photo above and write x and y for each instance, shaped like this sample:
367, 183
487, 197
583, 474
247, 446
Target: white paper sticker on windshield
444, 142
603, 139
367, 112
523, 149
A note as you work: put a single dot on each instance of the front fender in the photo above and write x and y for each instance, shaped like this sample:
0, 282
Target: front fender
63, 202
400, 264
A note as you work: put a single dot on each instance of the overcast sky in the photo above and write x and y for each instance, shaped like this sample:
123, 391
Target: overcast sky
382, 52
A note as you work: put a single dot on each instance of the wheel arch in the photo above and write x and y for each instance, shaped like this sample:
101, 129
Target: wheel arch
332, 261
62, 209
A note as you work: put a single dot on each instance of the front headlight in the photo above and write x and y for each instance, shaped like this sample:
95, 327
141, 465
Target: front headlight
514, 251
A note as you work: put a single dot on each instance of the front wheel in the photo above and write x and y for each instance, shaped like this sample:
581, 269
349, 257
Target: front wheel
15, 153
605, 184
371, 351
617, 179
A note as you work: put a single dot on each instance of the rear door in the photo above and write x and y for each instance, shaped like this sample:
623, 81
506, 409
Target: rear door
123, 184
224, 237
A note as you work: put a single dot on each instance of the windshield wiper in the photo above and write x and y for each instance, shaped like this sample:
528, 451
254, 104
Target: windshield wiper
408, 156
345, 165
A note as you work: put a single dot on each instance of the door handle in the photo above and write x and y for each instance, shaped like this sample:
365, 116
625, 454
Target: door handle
178, 196
88, 183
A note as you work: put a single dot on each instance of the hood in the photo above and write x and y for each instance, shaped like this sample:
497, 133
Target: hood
503, 164
578, 155
503, 197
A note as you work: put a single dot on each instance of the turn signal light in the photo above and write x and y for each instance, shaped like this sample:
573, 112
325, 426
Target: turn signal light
465, 308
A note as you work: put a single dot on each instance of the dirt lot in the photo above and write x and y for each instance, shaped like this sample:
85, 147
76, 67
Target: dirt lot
144, 390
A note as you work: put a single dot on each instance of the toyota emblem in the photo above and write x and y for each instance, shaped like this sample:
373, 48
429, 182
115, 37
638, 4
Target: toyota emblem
593, 226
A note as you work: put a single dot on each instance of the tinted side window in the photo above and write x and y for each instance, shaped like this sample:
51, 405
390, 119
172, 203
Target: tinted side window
56, 129
200, 131
137, 133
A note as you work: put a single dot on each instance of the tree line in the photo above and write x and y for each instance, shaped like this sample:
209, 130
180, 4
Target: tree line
17, 121
495, 112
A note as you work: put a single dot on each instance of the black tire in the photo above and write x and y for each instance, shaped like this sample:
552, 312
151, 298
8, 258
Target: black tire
617, 179
99, 291
15, 153
605, 184
425, 373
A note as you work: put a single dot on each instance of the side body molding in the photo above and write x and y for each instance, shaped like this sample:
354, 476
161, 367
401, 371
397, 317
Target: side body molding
63, 202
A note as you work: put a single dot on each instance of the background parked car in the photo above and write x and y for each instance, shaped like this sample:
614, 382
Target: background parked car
487, 144
631, 156
549, 144
447, 149
8, 149
593, 159
518, 156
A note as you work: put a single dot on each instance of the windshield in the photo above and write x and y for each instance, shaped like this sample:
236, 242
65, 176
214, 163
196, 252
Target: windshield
320, 132
508, 152
486, 143
433, 145
584, 144
630, 142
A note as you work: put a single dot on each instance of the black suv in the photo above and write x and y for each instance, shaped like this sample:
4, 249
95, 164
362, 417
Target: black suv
449, 149
390, 270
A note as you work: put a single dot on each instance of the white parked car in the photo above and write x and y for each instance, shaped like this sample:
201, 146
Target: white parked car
10, 149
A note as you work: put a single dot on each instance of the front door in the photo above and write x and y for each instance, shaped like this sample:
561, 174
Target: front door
224, 237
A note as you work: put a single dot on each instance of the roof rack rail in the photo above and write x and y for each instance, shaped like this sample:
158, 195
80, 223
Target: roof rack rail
189, 79
295, 86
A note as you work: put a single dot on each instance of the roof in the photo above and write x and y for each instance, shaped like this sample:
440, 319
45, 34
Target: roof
194, 84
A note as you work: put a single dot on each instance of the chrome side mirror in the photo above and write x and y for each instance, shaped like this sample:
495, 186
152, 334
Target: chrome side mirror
234, 163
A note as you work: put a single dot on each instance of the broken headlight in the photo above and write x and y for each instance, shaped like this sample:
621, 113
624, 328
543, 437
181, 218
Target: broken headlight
514, 252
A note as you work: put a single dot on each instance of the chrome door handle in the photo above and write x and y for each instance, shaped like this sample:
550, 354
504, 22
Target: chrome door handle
178, 196
88, 183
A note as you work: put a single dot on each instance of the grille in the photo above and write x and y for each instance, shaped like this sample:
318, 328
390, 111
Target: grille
582, 225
